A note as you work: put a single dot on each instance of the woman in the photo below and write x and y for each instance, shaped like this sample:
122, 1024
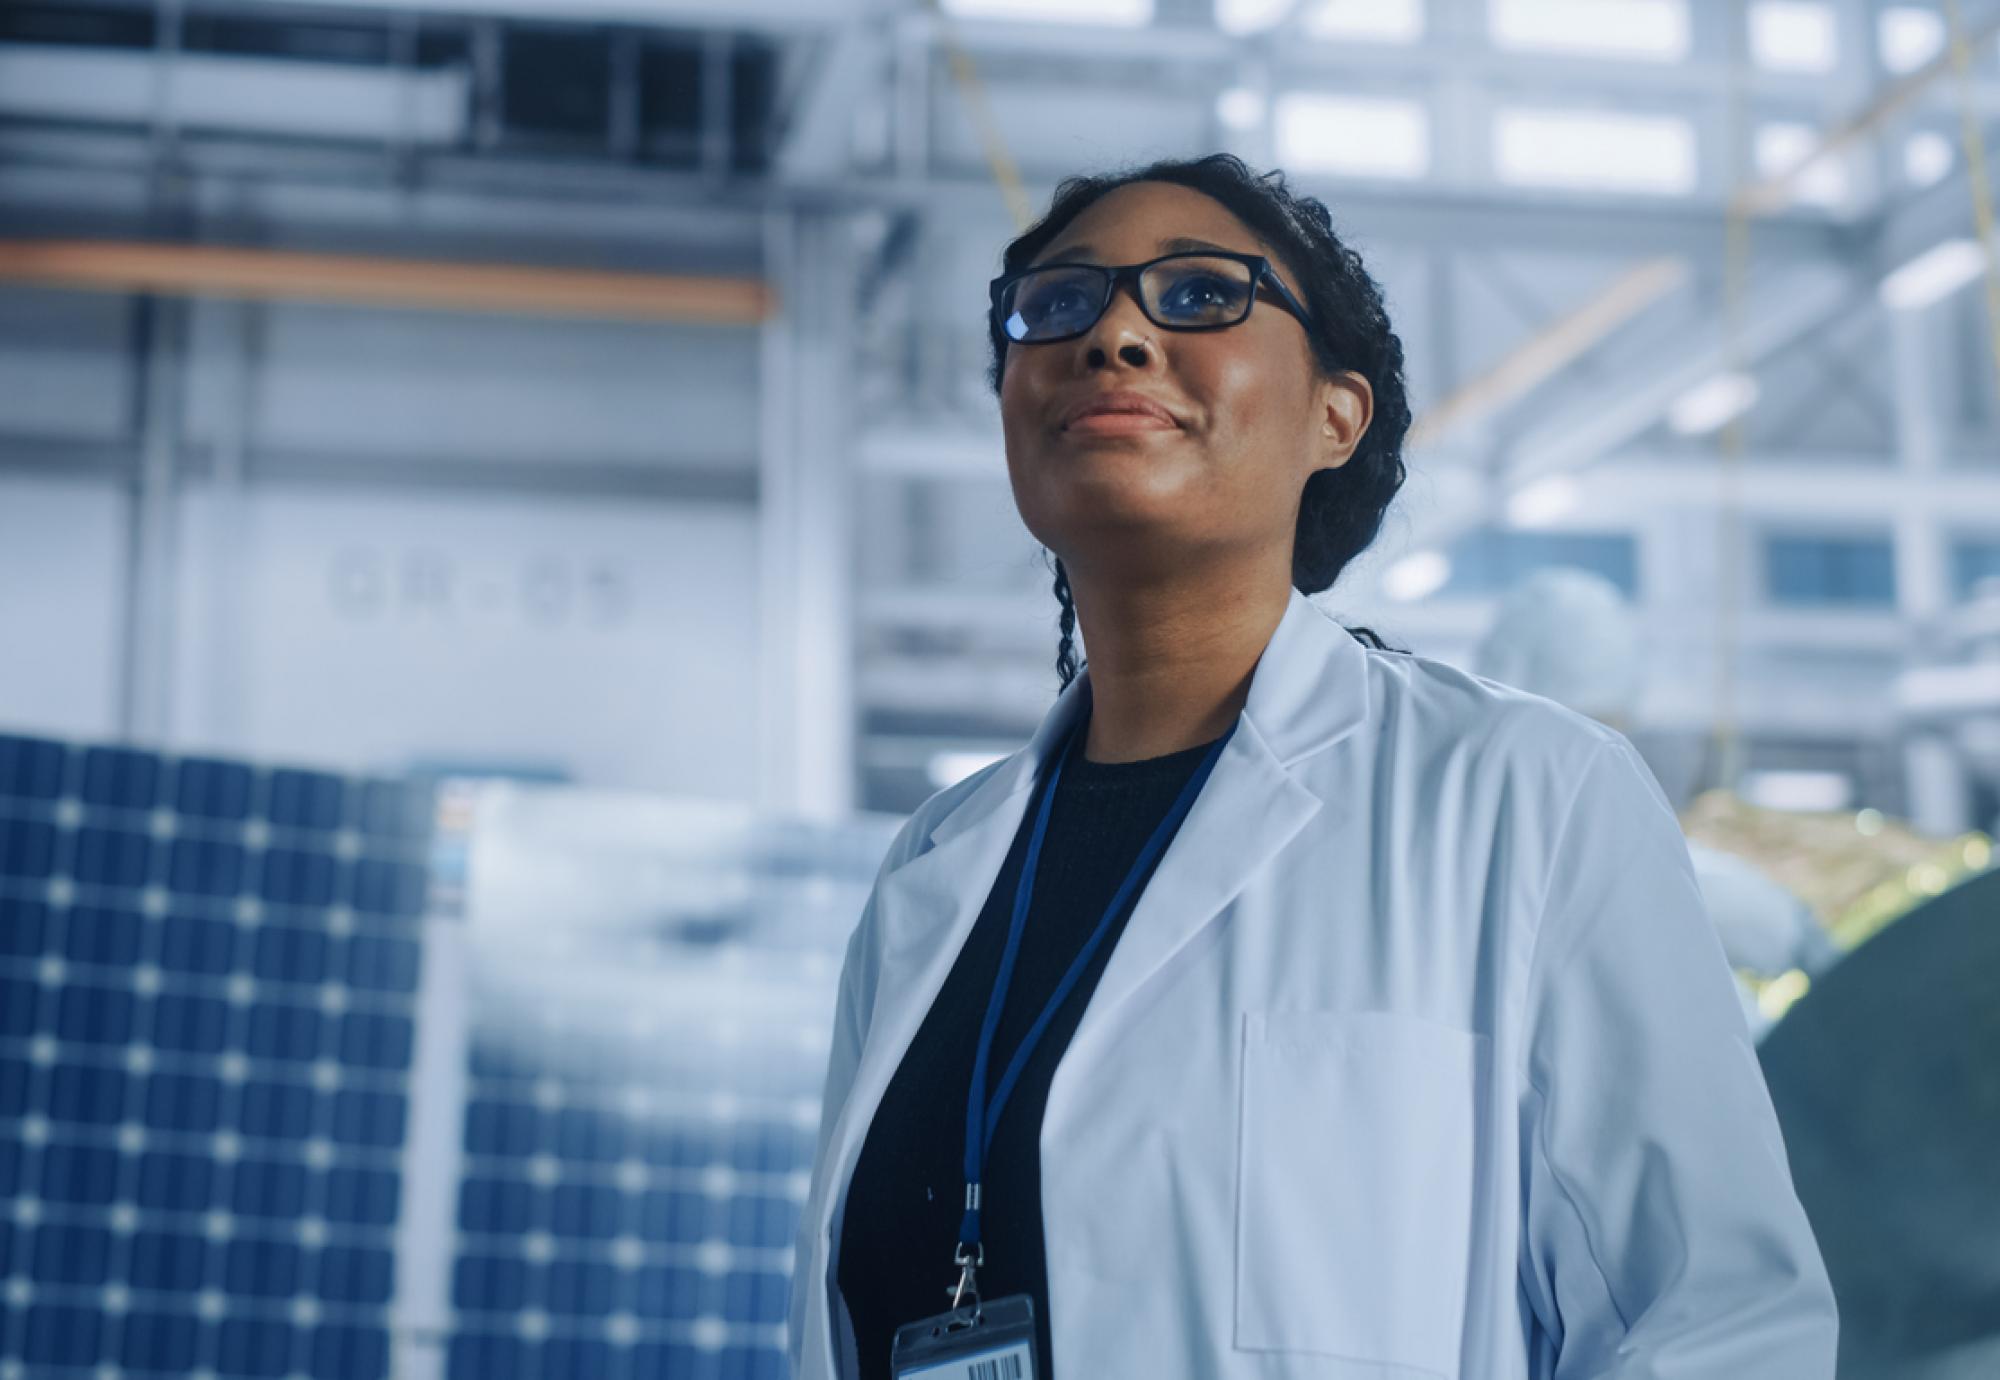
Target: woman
1413, 1055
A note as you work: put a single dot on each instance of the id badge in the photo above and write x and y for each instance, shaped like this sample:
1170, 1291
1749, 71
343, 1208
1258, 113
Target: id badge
994, 1340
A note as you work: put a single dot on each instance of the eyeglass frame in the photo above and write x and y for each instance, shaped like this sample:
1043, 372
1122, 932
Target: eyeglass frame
1261, 273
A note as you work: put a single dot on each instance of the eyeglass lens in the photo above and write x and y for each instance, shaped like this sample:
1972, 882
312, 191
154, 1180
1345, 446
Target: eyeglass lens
1185, 292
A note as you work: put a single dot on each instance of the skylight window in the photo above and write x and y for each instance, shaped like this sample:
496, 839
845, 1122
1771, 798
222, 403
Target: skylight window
1793, 36
1129, 14
1782, 147
1249, 16
1358, 135
1595, 150
1380, 21
1648, 30
1910, 37
1927, 157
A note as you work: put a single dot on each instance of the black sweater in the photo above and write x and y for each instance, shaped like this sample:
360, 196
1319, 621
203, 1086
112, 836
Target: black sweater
907, 1195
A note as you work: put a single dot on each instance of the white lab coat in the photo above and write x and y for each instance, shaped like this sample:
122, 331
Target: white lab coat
1417, 1057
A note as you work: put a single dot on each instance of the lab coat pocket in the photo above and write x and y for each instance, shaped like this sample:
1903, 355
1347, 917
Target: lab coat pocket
1355, 1165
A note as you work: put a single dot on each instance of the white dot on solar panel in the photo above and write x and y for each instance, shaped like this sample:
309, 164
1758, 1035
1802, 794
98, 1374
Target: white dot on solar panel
797, 1185
109, 1373
202, 1375
339, 920
628, 1252
19, 1292
805, 1111
233, 1067
34, 1129
153, 900
637, 1101
724, 1106
115, 1298
146, 979
210, 1304
124, 1218
242, 989
312, 1231
548, 1094
534, 1323
69, 812
163, 824
60, 891
714, 1257
319, 1152
256, 833
131, 1137
326, 1074
305, 1310
631, 1175
347, 844
51, 971
718, 1181
544, 1169
709, 1333
227, 1146
218, 1226
622, 1328
332, 997
538, 1245
139, 1058
42, 1050
27, 1211
249, 910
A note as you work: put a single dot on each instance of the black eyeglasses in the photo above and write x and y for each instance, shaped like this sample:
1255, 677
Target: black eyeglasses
1206, 291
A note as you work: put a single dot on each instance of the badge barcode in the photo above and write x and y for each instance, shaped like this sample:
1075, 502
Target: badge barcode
1000, 1368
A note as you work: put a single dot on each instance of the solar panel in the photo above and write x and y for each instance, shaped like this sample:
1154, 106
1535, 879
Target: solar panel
207, 979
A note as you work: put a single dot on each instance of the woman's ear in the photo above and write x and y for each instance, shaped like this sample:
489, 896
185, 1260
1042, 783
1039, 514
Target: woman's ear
1346, 404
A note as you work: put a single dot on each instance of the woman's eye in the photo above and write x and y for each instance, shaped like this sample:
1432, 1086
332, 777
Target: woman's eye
1201, 292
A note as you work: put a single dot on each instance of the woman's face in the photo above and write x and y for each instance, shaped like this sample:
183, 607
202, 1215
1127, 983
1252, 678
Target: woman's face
1252, 418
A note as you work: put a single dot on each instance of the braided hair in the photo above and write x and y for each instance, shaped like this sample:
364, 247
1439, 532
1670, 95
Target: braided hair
1342, 508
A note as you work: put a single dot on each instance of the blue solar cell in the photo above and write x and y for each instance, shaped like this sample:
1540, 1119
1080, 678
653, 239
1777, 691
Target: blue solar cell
350, 1353
580, 1288
194, 1025
60, 1336
582, 1133
196, 944
260, 1269
268, 1188
383, 886
286, 953
501, 1128
113, 857
102, 935
364, 1196
501, 1206
496, 1060
205, 867
667, 1291
31, 768
362, 1116
375, 1040
158, 1342
19, 999
79, 1173
14, 1081
668, 1214
490, 1283
91, 1015
176, 1182
169, 1262
586, 1210
294, 877
274, 1110
279, 1030
754, 1296
668, 1358
356, 1274
183, 1102
88, 1094
27, 848
70, 1253
121, 777
754, 1363
10, 1165
253, 1346
306, 800
579, 1358
766, 1220
209, 789
393, 808
24, 925
383, 963
479, 1356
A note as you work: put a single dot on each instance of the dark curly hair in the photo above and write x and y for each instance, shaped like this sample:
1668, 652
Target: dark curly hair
1342, 508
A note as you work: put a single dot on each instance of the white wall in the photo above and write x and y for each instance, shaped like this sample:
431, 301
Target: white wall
62, 569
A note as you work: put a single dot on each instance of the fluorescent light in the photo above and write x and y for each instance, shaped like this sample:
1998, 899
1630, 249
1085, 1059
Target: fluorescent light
1416, 576
1927, 157
1240, 108
1933, 275
1249, 16
1122, 13
1595, 149
1793, 36
1712, 404
1798, 790
1361, 135
950, 768
1909, 37
1383, 21
1780, 148
1544, 502
1655, 30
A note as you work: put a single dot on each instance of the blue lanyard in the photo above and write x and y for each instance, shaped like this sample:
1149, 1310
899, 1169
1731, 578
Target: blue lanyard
980, 1118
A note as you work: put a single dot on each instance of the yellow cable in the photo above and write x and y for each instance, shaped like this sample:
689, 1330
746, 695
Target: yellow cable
1974, 142
1006, 174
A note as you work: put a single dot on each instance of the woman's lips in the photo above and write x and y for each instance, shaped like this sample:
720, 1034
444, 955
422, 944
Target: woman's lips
1119, 423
